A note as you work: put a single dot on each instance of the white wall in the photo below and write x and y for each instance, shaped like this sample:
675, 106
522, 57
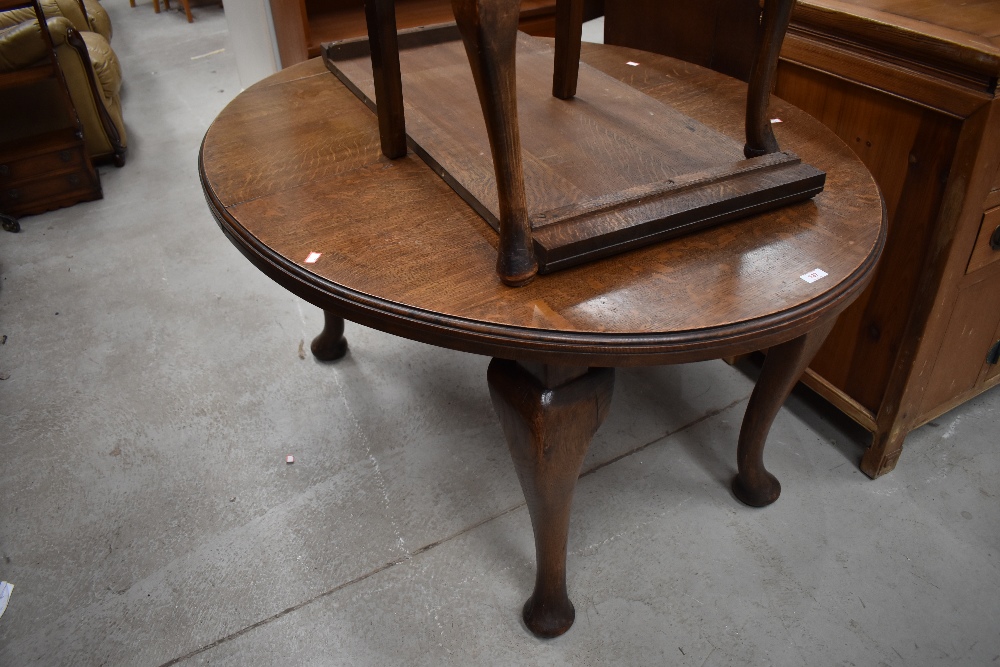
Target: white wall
251, 34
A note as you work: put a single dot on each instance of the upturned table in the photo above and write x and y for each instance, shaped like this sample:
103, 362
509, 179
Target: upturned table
293, 173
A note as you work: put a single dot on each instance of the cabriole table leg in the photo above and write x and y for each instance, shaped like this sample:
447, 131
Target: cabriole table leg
330, 345
783, 367
549, 415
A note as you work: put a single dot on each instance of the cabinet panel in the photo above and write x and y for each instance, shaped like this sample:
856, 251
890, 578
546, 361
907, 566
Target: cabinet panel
329, 20
908, 149
987, 248
12, 171
910, 86
38, 194
971, 332
993, 370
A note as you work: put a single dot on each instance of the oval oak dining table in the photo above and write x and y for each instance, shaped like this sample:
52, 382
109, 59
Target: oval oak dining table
293, 173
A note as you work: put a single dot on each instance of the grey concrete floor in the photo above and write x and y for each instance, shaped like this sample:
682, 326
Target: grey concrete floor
155, 382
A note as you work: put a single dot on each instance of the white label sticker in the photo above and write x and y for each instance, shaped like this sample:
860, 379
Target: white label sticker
813, 275
313, 256
775, 120
632, 64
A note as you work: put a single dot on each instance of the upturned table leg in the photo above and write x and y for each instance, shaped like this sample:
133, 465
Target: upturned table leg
380, 17
549, 415
489, 32
569, 33
774, 24
783, 367
330, 345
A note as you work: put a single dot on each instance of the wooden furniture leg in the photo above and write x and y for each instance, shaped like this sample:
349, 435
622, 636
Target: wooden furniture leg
569, 33
883, 454
187, 10
330, 344
380, 15
9, 223
489, 32
549, 415
774, 24
783, 367
156, 6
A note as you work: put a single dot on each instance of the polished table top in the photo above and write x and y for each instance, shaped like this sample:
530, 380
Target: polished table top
292, 167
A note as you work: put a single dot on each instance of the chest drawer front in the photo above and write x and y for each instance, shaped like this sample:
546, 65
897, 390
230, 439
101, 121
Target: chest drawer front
69, 158
987, 248
31, 196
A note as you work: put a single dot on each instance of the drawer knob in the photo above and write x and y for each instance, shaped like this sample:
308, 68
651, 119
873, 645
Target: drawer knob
13, 193
74, 179
995, 239
993, 356
65, 156
4, 170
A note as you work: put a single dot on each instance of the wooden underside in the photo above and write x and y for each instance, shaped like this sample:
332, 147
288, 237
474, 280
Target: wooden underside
609, 170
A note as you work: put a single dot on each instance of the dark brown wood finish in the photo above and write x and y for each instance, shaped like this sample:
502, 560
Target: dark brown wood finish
330, 344
317, 152
783, 367
774, 23
719, 34
489, 32
381, 18
549, 417
569, 33
401, 252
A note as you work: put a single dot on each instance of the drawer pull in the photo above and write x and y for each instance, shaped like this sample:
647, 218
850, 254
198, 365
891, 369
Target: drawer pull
65, 156
4, 170
993, 356
995, 239
74, 179
13, 194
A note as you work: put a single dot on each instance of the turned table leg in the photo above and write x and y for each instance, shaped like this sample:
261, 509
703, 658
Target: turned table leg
783, 367
330, 345
549, 415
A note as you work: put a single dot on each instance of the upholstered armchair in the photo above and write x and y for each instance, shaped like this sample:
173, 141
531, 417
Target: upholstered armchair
80, 32
85, 15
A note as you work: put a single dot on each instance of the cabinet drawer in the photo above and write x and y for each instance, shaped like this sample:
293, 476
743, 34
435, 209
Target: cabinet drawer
34, 166
33, 196
987, 248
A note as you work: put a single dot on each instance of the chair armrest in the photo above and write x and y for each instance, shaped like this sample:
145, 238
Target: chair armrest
98, 18
22, 45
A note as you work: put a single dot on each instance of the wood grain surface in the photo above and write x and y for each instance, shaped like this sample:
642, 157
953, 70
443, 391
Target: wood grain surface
609, 172
293, 166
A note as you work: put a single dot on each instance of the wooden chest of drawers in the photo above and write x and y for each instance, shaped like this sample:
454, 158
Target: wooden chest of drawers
911, 87
45, 172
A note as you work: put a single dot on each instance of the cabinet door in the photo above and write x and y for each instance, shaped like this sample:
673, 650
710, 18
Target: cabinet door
992, 370
909, 151
972, 330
